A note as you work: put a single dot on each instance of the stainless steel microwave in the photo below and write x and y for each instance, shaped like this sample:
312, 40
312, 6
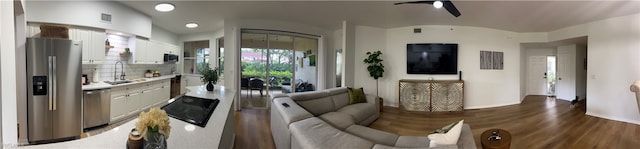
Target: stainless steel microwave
170, 58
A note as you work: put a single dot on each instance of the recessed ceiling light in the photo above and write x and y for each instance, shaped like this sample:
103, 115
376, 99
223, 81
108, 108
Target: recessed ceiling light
437, 4
191, 25
165, 7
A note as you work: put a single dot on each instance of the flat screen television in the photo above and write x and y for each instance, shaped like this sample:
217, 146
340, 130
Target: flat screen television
432, 58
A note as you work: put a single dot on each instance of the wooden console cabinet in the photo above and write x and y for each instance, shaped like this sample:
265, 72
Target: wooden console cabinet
431, 95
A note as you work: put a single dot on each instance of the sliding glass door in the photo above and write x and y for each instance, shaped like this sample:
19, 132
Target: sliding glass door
275, 63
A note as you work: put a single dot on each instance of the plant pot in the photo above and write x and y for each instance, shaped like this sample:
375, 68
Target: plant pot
154, 140
210, 86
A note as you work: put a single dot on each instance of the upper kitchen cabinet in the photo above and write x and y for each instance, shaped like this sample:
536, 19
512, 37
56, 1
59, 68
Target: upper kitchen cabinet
93, 44
139, 52
110, 15
147, 52
93, 41
155, 53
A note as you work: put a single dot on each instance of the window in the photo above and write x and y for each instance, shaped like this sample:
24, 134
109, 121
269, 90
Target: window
196, 55
202, 59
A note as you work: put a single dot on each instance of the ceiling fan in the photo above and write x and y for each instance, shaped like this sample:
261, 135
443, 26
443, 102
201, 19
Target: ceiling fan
437, 3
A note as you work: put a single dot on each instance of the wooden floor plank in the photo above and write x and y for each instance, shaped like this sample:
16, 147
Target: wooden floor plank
537, 123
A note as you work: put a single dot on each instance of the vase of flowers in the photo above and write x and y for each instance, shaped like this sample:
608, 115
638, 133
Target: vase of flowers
209, 76
154, 127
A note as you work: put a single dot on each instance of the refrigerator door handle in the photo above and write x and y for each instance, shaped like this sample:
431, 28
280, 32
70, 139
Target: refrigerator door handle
50, 58
55, 83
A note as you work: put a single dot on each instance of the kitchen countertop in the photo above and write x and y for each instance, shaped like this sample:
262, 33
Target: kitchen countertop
218, 133
102, 85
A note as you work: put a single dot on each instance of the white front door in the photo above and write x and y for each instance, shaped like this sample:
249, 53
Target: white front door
566, 87
536, 75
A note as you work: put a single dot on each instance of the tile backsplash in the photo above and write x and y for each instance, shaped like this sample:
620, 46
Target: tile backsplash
106, 70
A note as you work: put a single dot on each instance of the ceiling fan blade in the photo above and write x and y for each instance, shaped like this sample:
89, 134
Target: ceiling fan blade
415, 2
451, 8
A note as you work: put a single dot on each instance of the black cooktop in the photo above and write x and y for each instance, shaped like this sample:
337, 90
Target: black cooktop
192, 110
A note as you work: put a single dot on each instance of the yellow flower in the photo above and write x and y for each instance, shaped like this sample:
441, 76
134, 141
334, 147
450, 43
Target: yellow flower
155, 117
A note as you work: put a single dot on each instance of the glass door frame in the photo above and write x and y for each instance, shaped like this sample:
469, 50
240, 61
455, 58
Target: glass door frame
268, 33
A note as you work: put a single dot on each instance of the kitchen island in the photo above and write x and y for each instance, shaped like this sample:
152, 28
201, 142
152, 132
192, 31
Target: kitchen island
218, 133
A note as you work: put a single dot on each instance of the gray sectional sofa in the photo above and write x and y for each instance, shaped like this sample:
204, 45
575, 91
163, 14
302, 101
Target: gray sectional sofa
325, 119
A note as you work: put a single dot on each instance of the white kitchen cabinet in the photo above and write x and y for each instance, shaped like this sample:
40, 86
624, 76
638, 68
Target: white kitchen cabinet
146, 52
118, 103
165, 91
155, 53
147, 96
93, 44
133, 102
33, 30
139, 51
125, 101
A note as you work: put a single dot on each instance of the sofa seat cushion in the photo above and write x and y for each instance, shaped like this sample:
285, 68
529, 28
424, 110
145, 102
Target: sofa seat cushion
359, 111
338, 120
314, 133
377, 136
412, 141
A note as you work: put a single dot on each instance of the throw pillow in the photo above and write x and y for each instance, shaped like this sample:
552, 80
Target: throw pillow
450, 137
445, 129
356, 96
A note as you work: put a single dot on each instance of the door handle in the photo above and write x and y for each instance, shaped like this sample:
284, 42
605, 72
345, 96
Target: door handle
88, 93
55, 88
559, 78
50, 81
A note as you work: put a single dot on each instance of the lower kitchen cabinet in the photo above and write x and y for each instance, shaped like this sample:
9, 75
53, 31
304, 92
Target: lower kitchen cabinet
131, 99
124, 101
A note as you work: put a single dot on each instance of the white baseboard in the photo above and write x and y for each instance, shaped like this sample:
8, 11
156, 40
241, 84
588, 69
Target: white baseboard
492, 106
637, 122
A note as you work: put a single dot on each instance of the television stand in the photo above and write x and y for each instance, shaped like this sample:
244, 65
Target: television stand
431, 95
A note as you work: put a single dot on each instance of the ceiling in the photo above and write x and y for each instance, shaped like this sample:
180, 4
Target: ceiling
517, 16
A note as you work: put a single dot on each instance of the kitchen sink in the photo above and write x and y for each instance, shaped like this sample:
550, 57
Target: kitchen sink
118, 82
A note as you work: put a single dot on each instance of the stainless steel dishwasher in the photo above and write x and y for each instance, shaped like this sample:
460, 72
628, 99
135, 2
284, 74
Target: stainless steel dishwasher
96, 107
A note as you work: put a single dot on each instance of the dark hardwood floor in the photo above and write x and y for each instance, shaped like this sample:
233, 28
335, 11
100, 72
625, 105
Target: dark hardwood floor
538, 123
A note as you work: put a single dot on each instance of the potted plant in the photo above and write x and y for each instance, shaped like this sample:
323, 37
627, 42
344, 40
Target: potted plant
209, 76
375, 67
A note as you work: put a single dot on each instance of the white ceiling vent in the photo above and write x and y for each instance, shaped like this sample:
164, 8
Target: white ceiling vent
106, 17
417, 30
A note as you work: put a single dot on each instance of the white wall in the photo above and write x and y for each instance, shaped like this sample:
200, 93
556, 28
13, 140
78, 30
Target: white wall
88, 13
376, 40
162, 35
612, 67
21, 75
348, 50
504, 84
8, 75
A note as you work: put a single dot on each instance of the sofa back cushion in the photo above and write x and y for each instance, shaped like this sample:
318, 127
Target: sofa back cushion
340, 96
316, 102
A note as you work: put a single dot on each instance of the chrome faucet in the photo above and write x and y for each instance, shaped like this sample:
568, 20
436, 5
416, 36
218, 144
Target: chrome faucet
121, 71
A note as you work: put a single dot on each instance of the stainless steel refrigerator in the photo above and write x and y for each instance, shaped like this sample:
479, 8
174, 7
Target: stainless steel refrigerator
54, 89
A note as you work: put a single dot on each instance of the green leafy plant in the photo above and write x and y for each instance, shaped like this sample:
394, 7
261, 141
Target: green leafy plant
375, 68
208, 74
